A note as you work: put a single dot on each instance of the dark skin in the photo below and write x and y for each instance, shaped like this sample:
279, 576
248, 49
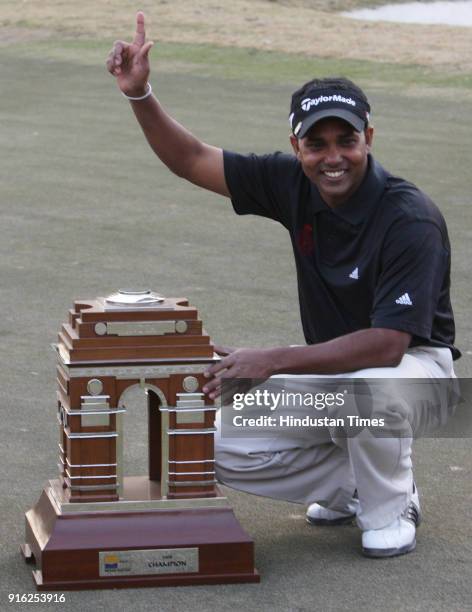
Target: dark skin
333, 156
366, 348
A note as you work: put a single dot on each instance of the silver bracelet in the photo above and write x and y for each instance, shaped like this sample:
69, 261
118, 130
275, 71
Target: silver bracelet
146, 95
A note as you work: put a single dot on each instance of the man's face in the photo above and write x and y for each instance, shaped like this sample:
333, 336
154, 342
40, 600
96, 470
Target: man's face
334, 157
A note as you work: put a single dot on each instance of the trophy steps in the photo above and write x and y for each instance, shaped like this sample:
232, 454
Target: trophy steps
70, 549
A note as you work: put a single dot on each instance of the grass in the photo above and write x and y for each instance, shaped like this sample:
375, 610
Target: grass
250, 64
246, 38
334, 5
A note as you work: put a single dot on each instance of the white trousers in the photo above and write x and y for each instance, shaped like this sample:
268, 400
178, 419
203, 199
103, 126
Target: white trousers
326, 468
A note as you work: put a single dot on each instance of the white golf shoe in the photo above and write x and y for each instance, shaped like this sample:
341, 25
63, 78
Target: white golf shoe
318, 515
397, 538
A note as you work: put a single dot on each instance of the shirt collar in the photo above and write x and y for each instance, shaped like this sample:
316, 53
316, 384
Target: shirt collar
356, 209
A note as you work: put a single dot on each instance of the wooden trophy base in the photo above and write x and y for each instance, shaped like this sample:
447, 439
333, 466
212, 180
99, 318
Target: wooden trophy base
141, 540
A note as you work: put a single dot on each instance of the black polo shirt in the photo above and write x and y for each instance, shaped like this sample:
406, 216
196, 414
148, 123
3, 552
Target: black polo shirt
382, 259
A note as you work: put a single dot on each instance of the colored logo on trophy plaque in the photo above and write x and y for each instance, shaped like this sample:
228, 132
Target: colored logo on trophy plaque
93, 527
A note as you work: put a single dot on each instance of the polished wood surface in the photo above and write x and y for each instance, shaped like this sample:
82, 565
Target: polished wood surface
66, 548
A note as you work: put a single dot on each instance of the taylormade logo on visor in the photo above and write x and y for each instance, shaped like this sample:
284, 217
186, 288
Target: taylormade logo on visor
307, 103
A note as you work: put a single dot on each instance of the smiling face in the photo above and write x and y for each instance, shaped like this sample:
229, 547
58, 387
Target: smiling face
334, 157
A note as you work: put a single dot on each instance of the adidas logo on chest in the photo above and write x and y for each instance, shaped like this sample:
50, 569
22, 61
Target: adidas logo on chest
404, 300
354, 274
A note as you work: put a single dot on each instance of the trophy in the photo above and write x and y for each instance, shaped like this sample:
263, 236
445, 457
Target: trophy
94, 526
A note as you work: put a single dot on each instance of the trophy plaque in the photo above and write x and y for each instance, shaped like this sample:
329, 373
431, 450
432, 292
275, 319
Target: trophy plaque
94, 526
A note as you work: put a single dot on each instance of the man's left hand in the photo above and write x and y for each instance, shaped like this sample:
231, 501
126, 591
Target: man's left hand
241, 363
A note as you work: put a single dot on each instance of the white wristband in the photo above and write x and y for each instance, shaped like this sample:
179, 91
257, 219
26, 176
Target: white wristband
146, 95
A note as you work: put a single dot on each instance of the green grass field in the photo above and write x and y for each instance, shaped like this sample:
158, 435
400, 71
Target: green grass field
254, 65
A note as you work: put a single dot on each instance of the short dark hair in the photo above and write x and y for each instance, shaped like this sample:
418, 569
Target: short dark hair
332, 83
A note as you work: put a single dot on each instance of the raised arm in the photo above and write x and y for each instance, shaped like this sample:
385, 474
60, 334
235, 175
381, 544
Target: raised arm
176, 147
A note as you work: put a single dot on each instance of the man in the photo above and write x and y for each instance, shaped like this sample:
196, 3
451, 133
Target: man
373, 262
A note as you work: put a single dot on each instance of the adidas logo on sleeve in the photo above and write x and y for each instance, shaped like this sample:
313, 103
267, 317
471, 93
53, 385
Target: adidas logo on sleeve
405, 300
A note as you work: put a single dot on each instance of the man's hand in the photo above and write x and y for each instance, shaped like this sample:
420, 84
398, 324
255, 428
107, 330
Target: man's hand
183, 153
224, 350
238, 363
129, 62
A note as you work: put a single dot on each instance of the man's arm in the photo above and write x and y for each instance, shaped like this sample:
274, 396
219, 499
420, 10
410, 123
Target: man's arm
175, 146
367, 348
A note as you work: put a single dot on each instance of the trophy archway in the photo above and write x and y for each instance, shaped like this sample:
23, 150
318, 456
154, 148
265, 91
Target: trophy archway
115, 343
152, 399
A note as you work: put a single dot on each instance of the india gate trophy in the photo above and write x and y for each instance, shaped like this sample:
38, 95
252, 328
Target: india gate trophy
95, 527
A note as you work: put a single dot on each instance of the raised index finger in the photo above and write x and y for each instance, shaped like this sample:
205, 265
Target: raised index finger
140, 36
